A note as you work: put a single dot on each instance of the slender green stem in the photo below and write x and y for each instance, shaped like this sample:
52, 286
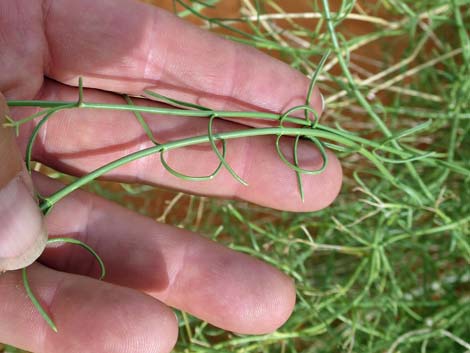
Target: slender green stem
298, 174
222, 114
35, 301
30, 292
154, 110
221, 157
37, 128
362, 100
51, 200
315, 131
84, 246
142, 121
429, 231
276, 131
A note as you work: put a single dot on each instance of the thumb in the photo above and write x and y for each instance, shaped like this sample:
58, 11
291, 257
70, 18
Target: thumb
22, 231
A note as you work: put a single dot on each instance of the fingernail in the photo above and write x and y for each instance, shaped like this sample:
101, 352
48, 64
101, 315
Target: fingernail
22, 233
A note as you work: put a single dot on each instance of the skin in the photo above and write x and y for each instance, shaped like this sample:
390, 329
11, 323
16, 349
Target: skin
126, 47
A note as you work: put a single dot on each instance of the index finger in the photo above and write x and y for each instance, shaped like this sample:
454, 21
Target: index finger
127, 46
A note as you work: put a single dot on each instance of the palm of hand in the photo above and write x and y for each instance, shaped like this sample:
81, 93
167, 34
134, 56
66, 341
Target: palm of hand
126, 47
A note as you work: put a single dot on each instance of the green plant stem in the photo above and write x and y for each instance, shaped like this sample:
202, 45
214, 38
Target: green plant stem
362, 100
84, 246
50, 201
35, 301
351, 141
152, 110
30, 292
199, 113
317, 133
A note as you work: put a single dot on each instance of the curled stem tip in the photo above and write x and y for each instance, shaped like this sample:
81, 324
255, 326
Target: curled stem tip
32, 296
219, 155
36, 302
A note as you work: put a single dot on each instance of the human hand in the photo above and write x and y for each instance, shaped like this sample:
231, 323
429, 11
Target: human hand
22, 232
126, 47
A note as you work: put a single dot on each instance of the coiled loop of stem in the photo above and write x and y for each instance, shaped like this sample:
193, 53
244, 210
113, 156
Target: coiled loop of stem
312, 124
195, 178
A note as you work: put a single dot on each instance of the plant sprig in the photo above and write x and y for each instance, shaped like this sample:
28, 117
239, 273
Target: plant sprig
29, 291
306, 129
